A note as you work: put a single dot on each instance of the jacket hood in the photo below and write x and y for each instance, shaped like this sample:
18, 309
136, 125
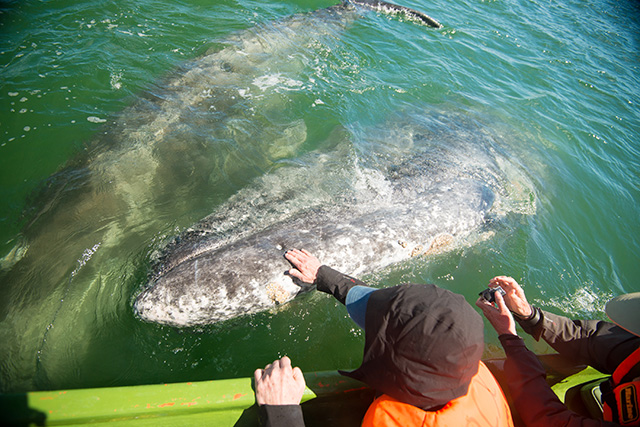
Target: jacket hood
423, 345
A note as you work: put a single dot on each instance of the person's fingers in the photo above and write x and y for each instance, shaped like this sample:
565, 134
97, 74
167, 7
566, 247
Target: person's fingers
298, 255
514, 297
293, 253
484, 305
279, 383
305, 266
284, 362
295, 273
257, 375
502, 305
499, 280
506, 282
295, 257
297, 373
484, 302
290, 256
496, 281
298, 377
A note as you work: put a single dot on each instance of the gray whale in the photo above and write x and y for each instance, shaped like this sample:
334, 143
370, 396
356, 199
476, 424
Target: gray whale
186, 142
431, 183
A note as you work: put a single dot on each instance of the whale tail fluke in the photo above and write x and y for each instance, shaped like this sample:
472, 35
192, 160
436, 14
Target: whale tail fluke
391, 8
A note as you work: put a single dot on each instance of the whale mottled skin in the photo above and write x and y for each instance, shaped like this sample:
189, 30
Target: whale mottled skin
406, 204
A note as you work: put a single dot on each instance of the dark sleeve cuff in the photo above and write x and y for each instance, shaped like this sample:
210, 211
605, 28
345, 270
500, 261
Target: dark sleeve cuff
532, 324
281, 416
510, 341
335, 283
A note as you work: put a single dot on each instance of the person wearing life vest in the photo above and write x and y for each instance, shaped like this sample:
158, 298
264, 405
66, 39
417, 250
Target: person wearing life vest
422, 352
610, 347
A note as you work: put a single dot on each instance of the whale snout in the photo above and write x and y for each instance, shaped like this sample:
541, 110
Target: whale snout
215, 287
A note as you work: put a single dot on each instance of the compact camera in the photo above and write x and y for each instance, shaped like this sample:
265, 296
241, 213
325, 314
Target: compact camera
489, 294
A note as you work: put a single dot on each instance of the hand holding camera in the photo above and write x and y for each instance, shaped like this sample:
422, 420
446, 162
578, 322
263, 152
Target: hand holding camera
489, 294
498, 315
514, 296
497, 302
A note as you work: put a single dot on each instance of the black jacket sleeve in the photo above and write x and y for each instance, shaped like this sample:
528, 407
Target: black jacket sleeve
281, 416
597, 343
335, 283
532, 397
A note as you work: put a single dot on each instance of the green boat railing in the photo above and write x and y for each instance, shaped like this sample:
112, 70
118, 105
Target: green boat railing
228, 402
330, 399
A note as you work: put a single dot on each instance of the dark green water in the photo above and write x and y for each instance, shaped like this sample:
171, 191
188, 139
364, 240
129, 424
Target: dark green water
558, 83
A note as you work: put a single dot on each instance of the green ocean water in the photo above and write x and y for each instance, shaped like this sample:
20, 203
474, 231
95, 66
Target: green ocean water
558, 83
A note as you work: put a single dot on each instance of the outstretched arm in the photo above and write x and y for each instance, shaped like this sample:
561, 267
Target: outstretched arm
308, 269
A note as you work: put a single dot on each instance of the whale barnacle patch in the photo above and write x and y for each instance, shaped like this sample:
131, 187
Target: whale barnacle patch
276, 293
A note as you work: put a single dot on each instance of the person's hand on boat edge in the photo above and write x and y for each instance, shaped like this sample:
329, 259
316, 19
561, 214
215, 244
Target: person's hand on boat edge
499, 315
279, 383
514, 296
305, 266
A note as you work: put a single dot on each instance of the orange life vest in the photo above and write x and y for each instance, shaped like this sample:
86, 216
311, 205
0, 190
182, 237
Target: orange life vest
483, 405
620, 395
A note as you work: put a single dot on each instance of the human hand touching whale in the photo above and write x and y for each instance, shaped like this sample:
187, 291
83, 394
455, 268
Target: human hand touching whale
305, 266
